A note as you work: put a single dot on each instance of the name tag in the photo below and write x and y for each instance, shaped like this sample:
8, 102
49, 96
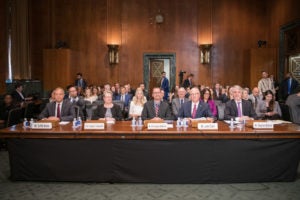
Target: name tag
263, 125
157, 126
208, 126
41, 125
93, 126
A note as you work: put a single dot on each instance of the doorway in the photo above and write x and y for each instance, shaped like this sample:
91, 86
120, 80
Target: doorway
154, 64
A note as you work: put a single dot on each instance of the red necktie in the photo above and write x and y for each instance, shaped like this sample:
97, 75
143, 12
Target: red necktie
58, 111
194, 111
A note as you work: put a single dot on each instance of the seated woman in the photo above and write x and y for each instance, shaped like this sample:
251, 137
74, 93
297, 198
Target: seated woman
268, 108
137, 103
88, 96
108, 110
206, 97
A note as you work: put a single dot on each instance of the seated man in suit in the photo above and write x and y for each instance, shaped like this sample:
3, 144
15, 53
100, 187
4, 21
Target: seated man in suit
238, 108
156, 109
178, 102
195, 108
75, 100
59, 109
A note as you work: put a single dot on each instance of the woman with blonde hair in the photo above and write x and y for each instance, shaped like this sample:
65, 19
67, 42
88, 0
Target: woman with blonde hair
137, 103
88, 96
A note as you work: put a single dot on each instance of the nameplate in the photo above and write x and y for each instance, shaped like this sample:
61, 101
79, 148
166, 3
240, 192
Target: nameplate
263, 125
93, 126
41, 125
157, 126
208, 126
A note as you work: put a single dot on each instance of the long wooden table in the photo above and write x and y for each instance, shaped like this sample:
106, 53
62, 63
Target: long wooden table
122, 153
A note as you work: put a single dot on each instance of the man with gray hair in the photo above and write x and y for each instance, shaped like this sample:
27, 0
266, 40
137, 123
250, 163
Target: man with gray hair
177, 102
238, 108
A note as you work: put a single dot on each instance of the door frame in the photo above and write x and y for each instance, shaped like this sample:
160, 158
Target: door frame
282, 50
157, 55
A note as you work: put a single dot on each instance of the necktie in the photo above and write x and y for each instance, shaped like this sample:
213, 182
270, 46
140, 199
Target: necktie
156, 110
239, 109
289, 86
58, 111
194, 111
255, 102
181, 101
122, 98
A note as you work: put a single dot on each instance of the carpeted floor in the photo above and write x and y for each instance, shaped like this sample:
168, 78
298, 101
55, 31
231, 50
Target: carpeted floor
40, 190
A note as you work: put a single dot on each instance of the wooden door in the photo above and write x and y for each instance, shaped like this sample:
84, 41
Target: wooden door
156, 68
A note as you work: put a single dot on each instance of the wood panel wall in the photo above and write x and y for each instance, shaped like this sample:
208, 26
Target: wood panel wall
3, 46
89, 25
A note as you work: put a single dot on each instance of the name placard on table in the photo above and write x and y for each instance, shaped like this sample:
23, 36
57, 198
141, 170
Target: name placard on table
263, 125
157, 126
208, 126
41, 125
93, 126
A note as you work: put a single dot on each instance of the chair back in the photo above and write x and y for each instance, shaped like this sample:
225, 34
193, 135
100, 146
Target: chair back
14, 116
221, 111
119, 103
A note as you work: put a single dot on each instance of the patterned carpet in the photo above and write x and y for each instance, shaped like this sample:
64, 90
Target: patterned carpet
73, 191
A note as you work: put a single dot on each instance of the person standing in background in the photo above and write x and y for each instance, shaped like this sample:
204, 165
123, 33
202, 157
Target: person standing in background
80, 82
164, 85
265, 83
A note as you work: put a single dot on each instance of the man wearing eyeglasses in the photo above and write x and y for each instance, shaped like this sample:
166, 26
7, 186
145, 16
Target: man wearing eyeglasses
156, 109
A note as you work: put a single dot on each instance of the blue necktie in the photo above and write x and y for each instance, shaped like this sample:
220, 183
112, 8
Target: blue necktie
289, 85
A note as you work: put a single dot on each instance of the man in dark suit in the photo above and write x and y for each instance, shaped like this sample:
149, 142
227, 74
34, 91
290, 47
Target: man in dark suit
288, 86
195, 108
156, 109
80, 82
178, 102
188, 82
164, 85
238, 108
123, 96
76, 100
217, 92
59, 109
18, 95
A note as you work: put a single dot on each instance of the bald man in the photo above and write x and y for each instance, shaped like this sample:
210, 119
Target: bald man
179, 101
59, 109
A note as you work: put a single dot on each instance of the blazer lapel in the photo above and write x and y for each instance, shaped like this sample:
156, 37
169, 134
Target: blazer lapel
234, 108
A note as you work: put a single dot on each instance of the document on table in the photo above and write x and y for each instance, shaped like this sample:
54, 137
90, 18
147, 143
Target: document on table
63, 123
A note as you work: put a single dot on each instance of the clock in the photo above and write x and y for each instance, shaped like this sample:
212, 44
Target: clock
159, 18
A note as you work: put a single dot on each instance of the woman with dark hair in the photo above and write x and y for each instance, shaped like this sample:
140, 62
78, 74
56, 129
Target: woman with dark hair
206, 97
268, 108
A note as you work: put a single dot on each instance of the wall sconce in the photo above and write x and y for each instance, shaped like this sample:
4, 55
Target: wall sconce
113, 53
205, 53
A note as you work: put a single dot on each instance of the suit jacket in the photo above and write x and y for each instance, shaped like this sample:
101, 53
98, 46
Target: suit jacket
79, 102
261, 109
285, 85
83, 83
67, 111
17, 97
165, 87
176, 105
215, 97
203, 110
231, 110
127, 99
101, 110
186, 83
164, 111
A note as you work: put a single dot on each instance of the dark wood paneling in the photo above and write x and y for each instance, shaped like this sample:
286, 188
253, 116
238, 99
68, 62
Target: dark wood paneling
3, 46
88, 25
